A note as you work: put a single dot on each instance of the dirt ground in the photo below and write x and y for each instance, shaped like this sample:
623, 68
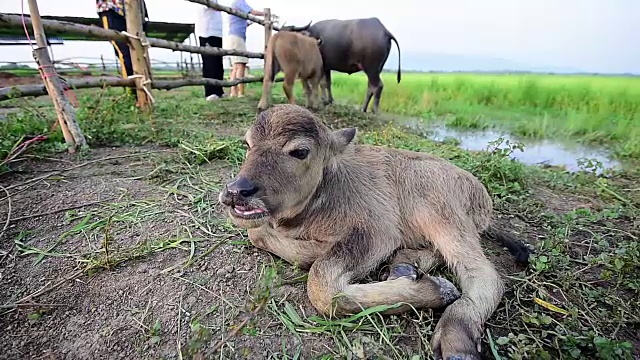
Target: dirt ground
112, 312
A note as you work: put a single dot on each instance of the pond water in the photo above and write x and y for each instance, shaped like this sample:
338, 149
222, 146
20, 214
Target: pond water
536, 152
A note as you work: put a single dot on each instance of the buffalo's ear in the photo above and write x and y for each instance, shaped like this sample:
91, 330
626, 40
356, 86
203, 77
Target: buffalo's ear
319, 41
342, 138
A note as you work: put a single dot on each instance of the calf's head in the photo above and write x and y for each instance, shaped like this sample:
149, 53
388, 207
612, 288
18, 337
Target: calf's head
288, 151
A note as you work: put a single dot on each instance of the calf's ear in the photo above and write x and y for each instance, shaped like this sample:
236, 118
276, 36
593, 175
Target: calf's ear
342, 138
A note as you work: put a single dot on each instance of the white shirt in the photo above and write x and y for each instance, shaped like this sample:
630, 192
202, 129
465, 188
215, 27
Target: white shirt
208, 22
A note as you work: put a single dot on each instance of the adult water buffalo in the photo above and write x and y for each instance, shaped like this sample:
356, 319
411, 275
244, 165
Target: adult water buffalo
349, 46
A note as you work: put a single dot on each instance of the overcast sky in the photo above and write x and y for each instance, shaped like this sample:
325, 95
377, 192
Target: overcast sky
592, 35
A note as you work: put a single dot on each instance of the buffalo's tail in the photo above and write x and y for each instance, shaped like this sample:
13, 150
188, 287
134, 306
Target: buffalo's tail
397, 46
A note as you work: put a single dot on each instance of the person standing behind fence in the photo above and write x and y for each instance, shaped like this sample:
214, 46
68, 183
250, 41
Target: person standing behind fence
112, 14
208, 28
235, 38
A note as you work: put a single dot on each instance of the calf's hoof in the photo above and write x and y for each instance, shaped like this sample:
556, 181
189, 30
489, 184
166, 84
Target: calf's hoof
448, 291
403, 270
457, 336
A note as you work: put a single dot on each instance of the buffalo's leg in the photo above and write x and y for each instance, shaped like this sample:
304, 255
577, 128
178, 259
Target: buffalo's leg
266, 94
328, 98
367, 97
322, 84
457, 334
331, 289
377, 93
289, 80
374, 88
308, 91
316, 83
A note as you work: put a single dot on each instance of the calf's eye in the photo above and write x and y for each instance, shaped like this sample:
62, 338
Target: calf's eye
299, 153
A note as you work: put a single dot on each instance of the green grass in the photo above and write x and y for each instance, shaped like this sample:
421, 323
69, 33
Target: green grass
593, 109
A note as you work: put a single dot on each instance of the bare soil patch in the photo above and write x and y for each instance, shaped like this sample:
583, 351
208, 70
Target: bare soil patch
112, 312
141, 306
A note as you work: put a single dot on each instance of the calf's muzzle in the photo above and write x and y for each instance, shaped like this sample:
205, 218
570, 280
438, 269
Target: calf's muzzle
242, 187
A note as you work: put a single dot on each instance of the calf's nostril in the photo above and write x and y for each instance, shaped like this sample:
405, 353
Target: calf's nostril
243, 186
248, 192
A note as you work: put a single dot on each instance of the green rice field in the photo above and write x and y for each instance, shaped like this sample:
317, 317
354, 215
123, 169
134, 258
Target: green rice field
591, 109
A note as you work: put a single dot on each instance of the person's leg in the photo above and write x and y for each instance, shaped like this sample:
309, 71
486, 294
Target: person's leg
207, 67
234, 89
113, 21
227, 43
217, 67
242, 63
240, 74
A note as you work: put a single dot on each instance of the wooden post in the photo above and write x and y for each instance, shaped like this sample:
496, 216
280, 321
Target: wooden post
66, 114
268, 27
139, 63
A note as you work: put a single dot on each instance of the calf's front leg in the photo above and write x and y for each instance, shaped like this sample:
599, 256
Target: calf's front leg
296, 252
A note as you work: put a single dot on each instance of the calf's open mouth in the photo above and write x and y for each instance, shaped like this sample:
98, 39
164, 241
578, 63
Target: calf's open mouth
248, 211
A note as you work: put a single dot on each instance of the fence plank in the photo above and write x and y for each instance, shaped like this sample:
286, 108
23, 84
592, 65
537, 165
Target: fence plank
19, 91
106, 34
231, 11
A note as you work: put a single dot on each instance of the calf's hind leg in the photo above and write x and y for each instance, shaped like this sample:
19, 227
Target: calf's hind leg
331, 289
457, 334
308, 92
289, 80
266, 94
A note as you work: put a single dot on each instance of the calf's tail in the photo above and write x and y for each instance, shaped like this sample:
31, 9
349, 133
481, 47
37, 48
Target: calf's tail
270, 62
517, 248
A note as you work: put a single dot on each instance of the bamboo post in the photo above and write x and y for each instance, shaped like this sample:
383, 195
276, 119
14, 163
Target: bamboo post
268, 27
133, 10
66, 114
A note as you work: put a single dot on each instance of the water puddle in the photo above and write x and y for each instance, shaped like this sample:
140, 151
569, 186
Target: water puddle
536, 152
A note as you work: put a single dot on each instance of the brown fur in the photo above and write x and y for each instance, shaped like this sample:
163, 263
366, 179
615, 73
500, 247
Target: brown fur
345, 209
297, 55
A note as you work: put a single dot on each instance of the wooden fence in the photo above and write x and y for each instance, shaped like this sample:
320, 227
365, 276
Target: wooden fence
142, 79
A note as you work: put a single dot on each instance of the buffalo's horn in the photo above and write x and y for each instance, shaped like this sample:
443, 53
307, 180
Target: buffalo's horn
295, 28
